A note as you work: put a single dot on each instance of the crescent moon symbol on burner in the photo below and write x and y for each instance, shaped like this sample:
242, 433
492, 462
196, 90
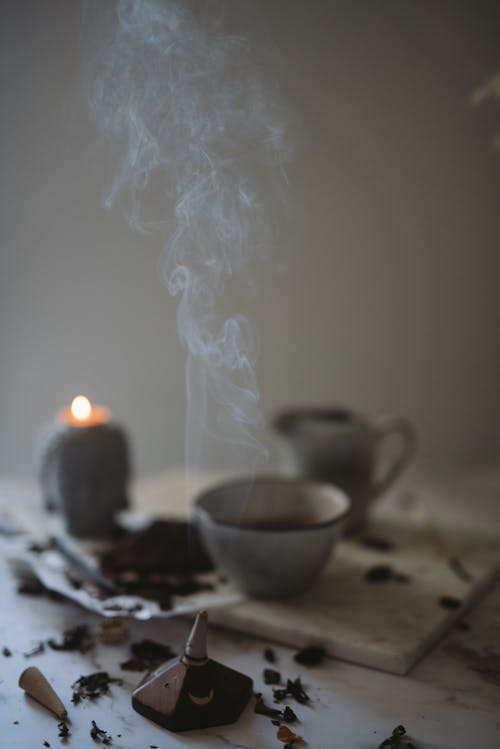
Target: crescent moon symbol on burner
201, 700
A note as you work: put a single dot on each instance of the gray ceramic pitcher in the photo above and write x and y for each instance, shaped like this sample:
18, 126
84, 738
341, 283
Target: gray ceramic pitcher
343, 447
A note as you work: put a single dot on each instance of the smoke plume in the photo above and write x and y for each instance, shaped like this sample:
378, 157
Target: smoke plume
187, 103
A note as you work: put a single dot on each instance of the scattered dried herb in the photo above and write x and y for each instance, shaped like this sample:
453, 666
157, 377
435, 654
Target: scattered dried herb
15, 722
271, 676
449, 602
381, 573
37, 650
77, 638
286, 736
310, 656
378, 543
287, 715
64, 732
396, 740
269, 655
46, 743
99, 734
292, 689
6, 652
463, 626
147, 654
92, 686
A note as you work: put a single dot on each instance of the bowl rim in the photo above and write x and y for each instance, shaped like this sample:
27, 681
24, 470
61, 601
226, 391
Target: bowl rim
273, 479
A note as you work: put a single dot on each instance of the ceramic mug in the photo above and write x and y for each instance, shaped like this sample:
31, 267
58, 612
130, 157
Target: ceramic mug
344, 448
271, 536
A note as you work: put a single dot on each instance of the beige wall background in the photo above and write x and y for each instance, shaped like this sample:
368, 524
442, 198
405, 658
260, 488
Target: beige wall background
383, 288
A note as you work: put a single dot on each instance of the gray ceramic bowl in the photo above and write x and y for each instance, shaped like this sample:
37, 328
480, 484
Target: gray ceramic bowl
271, 536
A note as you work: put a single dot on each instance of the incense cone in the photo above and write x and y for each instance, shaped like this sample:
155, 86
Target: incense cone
196, 645
36, 685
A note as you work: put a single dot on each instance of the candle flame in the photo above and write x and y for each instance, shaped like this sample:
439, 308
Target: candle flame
81, 408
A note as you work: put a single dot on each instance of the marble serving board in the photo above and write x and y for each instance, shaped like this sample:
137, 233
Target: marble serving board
387, 624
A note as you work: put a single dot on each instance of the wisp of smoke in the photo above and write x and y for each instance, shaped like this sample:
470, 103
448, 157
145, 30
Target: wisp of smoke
186, 102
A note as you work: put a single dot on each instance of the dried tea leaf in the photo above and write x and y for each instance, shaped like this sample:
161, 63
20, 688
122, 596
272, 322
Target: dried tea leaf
277, 716
147, 655
269, 655
92, 686
286, 736
152, 651
99, 734
271, 676
64, 732
397, 740
310, 656
76, 638
288, 715
262, 709
292, 689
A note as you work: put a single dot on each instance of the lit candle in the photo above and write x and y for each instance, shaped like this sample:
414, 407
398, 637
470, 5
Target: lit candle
83, 413
84, 468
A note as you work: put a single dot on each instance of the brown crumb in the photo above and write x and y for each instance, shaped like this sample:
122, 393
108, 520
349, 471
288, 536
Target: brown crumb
113, 631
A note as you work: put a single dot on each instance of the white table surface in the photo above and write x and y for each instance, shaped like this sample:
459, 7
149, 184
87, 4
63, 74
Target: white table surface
450, 700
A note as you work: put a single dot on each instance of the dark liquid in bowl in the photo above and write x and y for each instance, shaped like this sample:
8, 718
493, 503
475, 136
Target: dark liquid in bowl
289, 522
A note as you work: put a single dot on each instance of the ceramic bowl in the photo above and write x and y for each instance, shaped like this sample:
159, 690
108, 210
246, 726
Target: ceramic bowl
271, 536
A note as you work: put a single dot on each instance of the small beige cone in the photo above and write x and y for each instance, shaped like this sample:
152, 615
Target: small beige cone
36, 685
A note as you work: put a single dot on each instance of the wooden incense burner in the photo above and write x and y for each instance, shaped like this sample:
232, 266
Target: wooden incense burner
193, 691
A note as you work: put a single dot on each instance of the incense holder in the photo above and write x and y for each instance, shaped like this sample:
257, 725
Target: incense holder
193, 691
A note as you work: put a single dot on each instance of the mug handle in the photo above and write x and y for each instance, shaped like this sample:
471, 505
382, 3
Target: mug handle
385, 427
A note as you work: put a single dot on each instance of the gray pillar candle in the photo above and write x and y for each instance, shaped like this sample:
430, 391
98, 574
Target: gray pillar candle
84, 469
